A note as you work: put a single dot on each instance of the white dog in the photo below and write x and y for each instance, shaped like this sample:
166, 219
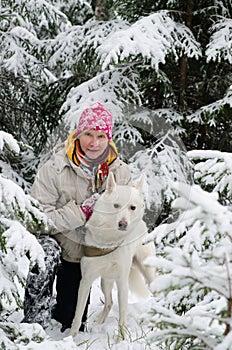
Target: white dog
113, 240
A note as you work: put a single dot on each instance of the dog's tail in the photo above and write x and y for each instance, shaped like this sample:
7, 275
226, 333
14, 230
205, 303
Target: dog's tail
137, 283
141, 275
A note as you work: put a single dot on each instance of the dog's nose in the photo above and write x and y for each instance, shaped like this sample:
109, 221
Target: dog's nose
122, 225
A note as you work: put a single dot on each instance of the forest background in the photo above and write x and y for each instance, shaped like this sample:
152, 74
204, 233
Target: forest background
163, 68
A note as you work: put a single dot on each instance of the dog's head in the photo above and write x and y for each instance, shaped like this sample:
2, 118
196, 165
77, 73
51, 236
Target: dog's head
120, 207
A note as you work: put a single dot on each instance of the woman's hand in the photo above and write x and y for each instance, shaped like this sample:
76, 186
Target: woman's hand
88, 205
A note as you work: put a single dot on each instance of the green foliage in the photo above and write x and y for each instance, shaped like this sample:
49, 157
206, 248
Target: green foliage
11, 333
133, 10
78, 12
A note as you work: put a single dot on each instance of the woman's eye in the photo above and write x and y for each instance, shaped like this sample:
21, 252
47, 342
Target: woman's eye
132, 207
116, 205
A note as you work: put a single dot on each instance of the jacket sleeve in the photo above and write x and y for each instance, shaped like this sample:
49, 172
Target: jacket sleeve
46, 191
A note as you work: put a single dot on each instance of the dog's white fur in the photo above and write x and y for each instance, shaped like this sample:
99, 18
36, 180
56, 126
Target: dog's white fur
116, 223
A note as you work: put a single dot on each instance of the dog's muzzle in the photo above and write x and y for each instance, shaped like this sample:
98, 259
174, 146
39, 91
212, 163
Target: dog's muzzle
122, 225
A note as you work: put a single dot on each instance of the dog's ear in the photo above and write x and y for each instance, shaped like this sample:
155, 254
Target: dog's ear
139, 185
110, 183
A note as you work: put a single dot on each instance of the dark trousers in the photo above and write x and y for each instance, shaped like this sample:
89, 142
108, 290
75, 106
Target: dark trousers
38, 303
68, 280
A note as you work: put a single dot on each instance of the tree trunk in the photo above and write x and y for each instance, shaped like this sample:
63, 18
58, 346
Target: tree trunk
101, 12
229, 311
184, 59
229, 300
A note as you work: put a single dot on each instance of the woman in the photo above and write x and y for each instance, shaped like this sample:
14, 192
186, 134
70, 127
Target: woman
67, 186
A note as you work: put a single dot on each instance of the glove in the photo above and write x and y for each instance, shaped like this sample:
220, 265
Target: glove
88, 205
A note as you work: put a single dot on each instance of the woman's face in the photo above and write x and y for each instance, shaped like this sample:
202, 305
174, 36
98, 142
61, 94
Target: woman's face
93, 143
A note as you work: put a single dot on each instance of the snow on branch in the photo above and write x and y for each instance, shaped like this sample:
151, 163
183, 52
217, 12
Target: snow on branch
203, 217
152, 37
64, 48
21, 54
42, 13
125, 132
18, 45
12, 149
6, 138
17, 243
160, 164
220, 45
20, 242
95, 33
21, 39
113, 88
214, 169
15, 202
211, 110
75, 42
19, 336
128, 133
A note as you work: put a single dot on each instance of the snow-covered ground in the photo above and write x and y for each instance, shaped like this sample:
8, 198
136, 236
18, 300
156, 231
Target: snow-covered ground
100, 337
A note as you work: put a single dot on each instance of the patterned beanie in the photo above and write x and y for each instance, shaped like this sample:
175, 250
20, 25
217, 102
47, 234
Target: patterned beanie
96, 117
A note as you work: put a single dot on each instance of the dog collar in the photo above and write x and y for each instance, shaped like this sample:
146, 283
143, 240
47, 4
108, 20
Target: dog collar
94, 251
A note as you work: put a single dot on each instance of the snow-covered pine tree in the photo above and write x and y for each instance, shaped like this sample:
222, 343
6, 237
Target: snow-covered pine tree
59, 51
185, 84
192, 305
19, 214
25, 28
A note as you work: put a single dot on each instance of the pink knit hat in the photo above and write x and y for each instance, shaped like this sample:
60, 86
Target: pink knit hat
96, 117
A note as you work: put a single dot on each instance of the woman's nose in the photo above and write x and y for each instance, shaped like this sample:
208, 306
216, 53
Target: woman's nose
94, 142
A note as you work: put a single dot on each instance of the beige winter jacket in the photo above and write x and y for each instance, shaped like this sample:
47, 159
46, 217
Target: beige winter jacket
60, 186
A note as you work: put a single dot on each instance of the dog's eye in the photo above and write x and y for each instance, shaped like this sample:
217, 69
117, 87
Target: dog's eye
116, 205
132, 207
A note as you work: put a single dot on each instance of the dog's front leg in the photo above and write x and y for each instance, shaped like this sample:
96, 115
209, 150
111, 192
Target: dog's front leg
106, 286
123, 288
83, 293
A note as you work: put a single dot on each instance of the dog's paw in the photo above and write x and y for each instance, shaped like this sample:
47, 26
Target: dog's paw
100, 319
73, 332
96, 322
